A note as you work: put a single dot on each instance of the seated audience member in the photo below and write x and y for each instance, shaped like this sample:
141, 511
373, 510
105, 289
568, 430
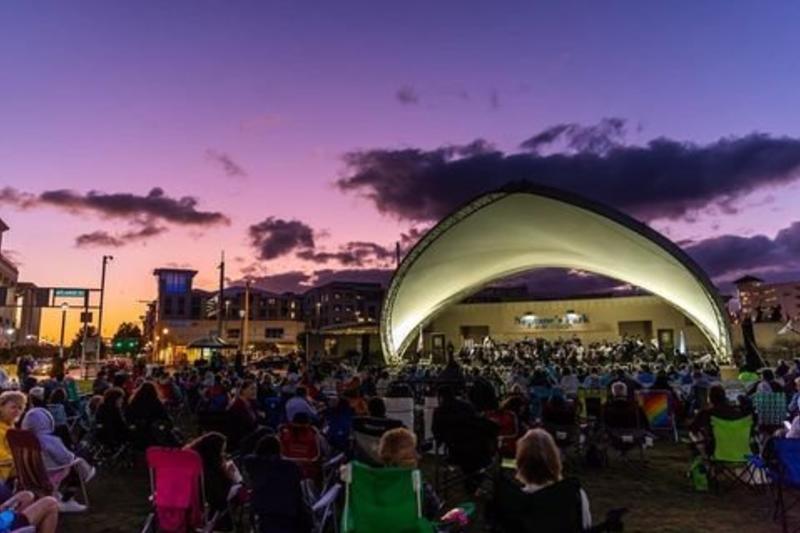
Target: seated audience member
60, 409
242, 416
58, 459
768, 383
631, 385
398, 448
299, 403
569, 383
621, 412
36, 396
42, 514
719, 407
221, 477
471, 439
277, 498
12, 405
112, 428
794, 403
145, 413
558, 411
539, 471
100, 383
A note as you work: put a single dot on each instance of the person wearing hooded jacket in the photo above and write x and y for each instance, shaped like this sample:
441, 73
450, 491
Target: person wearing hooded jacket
55, 454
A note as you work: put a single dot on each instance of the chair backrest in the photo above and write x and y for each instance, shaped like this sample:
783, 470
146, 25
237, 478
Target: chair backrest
732, 439
657, 407
509, 430
787, 455
176, 479
377, 498
591, 401
520, 512
28, 462
300, 443
401, 409
770, 408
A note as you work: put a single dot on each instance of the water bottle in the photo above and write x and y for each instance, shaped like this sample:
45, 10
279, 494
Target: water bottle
6, 519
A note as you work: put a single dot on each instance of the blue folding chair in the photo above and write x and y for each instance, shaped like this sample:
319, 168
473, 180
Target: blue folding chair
784, 473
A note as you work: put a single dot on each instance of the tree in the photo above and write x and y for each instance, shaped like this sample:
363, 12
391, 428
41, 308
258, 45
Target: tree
128, 339
75, 347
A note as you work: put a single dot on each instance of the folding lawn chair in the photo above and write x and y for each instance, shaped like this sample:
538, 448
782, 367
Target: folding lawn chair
300, 443
509, 431
732, 451
659, 408
177, 492
386, 500
32, 475
784, 473
591, 402
401, 409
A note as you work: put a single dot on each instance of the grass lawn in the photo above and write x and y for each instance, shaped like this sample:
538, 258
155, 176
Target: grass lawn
657, 494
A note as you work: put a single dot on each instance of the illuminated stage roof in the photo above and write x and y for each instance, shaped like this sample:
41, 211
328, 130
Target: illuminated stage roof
528, 227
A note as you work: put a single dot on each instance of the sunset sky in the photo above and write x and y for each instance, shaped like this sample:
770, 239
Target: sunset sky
306, 138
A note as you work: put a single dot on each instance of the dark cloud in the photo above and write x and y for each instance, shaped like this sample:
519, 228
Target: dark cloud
354, 253
407, 95
299, 281
729, 256
135, 208
275, 237
664, 178
225, 161
597, 139
105, 239
562, 283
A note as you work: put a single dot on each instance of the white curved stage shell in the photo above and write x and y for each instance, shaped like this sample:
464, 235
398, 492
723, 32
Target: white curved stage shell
529, 227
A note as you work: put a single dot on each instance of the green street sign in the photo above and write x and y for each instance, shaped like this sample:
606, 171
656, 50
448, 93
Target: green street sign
69, 293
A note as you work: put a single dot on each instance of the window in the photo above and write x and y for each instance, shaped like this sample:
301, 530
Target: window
273, 333
175, 282
233, 333
272, 301
292, 314
337, 308
167, 306
181, 305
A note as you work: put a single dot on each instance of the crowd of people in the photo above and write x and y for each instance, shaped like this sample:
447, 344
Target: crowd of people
262, 432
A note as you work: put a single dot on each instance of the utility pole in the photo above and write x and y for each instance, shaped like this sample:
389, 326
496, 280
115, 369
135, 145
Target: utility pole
221, 294
85, 320
106, 259
246, 323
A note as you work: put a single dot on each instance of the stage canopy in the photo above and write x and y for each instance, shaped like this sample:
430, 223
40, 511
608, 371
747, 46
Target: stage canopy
527, 227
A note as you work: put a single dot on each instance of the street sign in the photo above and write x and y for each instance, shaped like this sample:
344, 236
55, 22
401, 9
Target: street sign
69, 293
86, 317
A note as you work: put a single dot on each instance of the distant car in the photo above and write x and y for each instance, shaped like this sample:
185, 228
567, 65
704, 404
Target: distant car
42, 369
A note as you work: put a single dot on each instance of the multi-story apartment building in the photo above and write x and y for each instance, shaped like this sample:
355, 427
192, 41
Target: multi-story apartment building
768, 301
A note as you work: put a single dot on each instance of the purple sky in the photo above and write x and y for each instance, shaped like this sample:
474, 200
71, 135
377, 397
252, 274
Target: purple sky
249, 107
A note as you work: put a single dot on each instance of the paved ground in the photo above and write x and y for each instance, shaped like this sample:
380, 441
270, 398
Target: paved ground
658, 496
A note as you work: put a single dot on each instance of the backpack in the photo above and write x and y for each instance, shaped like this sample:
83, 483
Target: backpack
698, 475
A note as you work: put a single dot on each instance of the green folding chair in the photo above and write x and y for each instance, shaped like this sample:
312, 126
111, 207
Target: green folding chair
732, 451
388, 500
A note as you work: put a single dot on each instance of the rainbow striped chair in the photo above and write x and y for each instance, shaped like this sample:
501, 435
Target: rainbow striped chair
659, 408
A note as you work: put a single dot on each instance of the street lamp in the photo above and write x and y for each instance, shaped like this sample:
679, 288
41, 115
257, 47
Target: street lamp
64, 307
241, 330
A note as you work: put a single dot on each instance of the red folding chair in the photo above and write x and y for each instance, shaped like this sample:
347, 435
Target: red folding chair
177, 492
509, 431
301, 443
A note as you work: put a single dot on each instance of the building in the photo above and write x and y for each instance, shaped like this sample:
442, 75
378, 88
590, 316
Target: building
343, 302
768, 302
28, 313
182, 314
8, 282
